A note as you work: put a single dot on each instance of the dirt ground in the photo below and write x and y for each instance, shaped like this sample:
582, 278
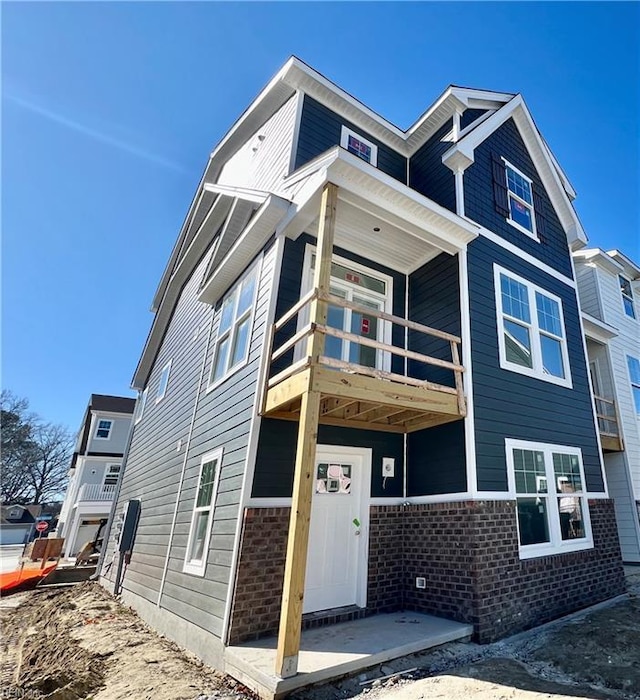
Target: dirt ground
79, 643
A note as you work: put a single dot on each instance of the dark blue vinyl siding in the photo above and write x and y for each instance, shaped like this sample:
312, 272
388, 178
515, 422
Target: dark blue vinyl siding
320, 130
436, 461
479, 204
428, 175
508, 404
277, 453
434, 300
289, 293
469, 116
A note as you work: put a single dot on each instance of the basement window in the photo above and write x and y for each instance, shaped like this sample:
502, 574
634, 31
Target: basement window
202, 518
548, 484
359, 146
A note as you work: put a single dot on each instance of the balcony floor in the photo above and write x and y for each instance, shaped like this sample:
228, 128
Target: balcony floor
359, 401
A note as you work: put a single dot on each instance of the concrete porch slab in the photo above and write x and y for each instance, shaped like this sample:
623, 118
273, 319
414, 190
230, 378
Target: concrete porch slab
337, 650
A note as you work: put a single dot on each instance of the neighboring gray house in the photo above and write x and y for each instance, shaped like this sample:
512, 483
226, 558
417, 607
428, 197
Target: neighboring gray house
367, 363
17, 522
95, 469
609, 291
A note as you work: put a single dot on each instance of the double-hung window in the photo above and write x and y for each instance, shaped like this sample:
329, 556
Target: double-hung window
234, 329
201, 521
140, 406
103, 430
359, 146
164, 382
634, 375
532, 338
111, 477
548, 484
627, 296
520, 194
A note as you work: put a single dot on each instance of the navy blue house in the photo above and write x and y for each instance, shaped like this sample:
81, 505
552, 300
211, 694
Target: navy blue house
367, 349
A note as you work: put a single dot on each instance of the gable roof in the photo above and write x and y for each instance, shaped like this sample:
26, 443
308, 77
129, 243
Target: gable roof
461, 155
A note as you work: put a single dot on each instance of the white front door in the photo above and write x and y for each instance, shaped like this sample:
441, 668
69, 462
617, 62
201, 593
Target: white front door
337, 558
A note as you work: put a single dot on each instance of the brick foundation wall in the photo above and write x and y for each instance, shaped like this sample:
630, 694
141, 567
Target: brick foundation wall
468, 554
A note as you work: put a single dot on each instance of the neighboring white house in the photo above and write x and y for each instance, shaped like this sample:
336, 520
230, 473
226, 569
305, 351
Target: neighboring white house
609, 290
95, 468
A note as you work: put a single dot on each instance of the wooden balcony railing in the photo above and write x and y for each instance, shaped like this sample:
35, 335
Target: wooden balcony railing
360, 395
608, 424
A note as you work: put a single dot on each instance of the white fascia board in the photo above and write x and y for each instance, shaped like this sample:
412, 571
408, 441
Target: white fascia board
597, 329
250, 195
461, 155
631, 270
244, 250
596, 256
423, 217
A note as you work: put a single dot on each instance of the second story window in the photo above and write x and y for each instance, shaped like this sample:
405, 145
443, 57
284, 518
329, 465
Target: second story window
634, 375
234, 329
627, 296
111, 476
103, 431
359, 146
531, 331
142, 402
164, 382
520, 200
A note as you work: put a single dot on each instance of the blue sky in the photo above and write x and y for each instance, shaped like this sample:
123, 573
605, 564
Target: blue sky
109, 111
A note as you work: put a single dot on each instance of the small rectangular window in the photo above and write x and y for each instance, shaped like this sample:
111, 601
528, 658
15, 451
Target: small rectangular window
111, 477
551, 501
140, 406
520, 194
627, 296
359, 146
103, 431
164, 382
531, 327
202, 518
234, 328
634, 374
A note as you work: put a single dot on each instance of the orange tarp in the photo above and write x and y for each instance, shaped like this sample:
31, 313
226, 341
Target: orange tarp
24, 577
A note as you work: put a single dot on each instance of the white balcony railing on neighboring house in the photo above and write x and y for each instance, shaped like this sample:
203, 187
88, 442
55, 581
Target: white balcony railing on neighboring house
96, 492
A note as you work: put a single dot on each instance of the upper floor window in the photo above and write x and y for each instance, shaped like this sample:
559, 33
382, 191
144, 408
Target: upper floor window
520, 200
634, 374
140, 406
359, 146
234, 329
103, 430
532, 337
164, 381
551, 500
627, 296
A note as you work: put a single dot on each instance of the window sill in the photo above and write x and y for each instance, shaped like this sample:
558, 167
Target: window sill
194, 569
524, 230
558, 381
534, 551
234, 370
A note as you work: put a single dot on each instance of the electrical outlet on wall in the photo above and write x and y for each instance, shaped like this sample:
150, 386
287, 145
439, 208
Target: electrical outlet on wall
388, 466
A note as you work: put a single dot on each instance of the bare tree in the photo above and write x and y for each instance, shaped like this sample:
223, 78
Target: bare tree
35, 454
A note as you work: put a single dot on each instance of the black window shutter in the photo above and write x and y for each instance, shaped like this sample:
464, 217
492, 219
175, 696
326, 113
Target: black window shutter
541, 219
500, 197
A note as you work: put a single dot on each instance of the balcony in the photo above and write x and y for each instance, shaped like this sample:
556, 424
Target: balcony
357, 395
608, 425
96, 492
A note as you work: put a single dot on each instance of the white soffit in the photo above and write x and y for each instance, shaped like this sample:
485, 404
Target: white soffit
596, 329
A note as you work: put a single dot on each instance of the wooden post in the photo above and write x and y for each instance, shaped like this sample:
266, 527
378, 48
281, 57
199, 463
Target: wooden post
303, 480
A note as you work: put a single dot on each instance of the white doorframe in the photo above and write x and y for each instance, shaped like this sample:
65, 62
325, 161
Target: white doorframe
335, 452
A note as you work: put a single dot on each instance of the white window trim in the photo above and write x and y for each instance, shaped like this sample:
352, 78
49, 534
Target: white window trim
557, 544
387, 299
141, 405
106, 473
536, 350
623, 296
344, 143
198, 568
231, 370
632, 385
98, 421
532, 234
167, 368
